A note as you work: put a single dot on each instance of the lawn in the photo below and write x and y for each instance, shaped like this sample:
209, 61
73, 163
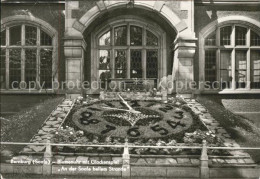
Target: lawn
21, 126
244, 131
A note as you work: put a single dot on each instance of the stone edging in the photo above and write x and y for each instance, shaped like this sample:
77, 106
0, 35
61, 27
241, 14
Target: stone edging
51, 124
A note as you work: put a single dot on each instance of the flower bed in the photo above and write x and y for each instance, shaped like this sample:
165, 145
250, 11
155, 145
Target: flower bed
191, 136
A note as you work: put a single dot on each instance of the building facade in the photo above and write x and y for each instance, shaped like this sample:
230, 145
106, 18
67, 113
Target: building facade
189, 46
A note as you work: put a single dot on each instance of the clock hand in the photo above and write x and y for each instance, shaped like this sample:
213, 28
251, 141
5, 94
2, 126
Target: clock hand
129, 107
132, 111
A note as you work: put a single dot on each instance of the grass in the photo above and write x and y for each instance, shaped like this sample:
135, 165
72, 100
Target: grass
244, 131
22, 126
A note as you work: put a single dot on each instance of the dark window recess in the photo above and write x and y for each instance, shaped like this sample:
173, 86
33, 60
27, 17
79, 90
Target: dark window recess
120, 35
225, 35
255, 69
136, 36
120, 64
14, 68
30, 35
151, 64
241, 35
45, 39
241, 66
46, 68
255, 39
151, 39
30, 66
210, 67
15, 35
136, 64
2, 69
3, 38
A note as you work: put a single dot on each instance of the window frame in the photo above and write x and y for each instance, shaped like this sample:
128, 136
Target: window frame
153, 28
38, 47
232, 47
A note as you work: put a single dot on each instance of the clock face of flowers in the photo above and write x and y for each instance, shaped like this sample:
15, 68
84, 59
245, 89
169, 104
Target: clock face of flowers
147, 119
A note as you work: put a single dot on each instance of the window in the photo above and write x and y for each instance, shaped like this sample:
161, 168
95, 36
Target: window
233, 58
128, 51
26, 56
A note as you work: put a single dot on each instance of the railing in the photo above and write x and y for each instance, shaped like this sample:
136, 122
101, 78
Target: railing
204, 159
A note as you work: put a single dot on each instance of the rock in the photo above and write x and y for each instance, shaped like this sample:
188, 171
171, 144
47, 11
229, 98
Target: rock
52, 122
48, 129
248, 160
6, 153
162, 161
183, 160
150, 160
172, 161
231, 160
37, 148
221, 161
141, 161
195, 161
27, 149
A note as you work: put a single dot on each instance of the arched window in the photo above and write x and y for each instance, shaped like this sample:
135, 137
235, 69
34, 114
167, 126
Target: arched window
232, 56
128, 50
26, 57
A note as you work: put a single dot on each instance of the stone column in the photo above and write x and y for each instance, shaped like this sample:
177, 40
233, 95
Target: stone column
74, 50
183, 72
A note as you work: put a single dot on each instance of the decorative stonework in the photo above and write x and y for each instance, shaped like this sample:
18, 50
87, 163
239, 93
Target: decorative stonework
50, 126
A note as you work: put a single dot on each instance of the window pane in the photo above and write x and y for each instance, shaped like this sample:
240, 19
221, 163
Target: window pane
120, 64
15, 35
211, 40
104, 67
241, 35
151, 39
30, 66
3, 38
30, 35
255, 39
45, 39
225, 35
14, 68
241, 69
46, 68
136, 64
225, 69
151, 64
105, 39
210, 66
135, 35
120, 35
2, 69
255, 69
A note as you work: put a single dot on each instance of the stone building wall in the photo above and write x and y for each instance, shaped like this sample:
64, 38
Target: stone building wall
206, 14
51, 13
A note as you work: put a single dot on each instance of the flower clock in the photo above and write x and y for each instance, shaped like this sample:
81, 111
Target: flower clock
132, 119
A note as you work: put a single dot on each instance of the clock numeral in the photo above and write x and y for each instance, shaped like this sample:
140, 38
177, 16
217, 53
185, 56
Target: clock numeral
166, 108
94, 109
135, 104
86, 114
178, 116
109, 104
160, 130
150, 104
174, 124
108, 129
86, 122
133, 132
